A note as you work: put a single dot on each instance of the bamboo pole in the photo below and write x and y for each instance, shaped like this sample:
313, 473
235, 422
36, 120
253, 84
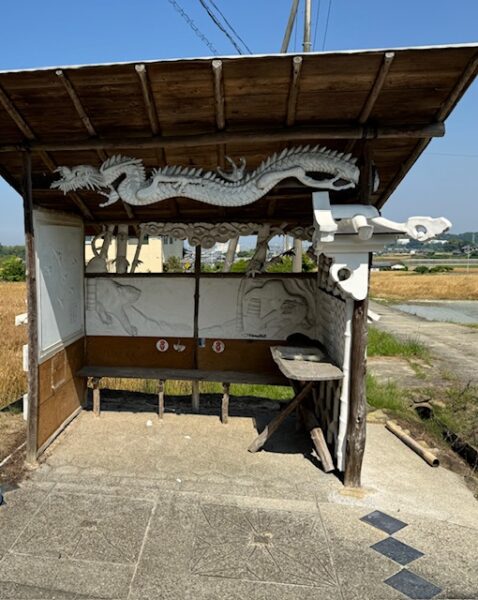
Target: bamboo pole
402, 435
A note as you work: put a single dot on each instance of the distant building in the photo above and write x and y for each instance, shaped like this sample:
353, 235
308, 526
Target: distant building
155, 251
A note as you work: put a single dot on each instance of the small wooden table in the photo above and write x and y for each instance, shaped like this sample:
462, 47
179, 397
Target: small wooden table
304, 367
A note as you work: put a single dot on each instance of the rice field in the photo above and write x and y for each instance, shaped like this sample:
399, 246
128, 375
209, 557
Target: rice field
12, 378
430, 286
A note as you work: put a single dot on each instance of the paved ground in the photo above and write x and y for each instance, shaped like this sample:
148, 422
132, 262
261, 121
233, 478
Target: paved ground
455, 346
126, 506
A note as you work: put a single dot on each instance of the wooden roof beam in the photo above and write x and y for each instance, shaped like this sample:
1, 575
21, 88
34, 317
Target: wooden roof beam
374, 93
289, 134
85, 119
466, 78
293, 90
30, 136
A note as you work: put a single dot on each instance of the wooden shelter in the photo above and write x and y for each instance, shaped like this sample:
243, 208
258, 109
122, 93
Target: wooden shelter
382, 107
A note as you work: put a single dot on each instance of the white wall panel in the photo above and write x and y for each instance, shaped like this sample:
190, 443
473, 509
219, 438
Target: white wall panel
59, 246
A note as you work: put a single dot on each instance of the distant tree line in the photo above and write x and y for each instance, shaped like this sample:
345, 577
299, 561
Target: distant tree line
12, 263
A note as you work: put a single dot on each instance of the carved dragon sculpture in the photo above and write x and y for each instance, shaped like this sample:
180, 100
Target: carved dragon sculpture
125, 178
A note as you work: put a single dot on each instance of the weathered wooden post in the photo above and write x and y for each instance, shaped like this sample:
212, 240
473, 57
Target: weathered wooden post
32, 302
356, 430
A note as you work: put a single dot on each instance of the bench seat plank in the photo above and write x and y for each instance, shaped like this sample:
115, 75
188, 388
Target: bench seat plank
183, 375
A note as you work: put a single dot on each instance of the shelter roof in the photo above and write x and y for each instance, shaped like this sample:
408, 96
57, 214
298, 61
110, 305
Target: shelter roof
192, 112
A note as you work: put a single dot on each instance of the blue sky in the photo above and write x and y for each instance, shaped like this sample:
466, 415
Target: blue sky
53, 32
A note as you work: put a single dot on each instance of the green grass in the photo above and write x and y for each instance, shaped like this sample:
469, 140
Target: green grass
183, 388
381, 343
386, 396
460, 412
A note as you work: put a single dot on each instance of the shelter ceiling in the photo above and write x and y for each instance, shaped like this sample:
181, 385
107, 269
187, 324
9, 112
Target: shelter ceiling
420, 87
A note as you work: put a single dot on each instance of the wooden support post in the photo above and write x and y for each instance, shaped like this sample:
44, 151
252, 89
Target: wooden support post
277, 421
95, 381
161, 383
195, 395
32, 302
225, 403
356, 429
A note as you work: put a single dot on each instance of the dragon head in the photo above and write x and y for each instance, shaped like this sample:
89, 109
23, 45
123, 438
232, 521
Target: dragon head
82, 176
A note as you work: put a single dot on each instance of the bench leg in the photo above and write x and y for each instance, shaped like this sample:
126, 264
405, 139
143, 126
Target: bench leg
161, 398
195, 396
262, 438
96, 395
225, 403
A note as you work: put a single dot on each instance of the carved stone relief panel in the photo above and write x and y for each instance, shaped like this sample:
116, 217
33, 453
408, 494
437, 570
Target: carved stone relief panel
140, 306
259, 308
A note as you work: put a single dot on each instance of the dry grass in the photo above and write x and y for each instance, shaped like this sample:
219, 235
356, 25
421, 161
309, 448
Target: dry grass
12, 379
413, 286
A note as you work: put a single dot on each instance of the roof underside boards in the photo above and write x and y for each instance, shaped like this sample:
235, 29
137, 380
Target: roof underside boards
93, 105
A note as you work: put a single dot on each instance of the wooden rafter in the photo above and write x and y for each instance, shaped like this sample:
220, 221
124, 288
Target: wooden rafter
374, 93
468, 75
219, 105
28, 133
150, 106
151, 111
293, 90
85, 119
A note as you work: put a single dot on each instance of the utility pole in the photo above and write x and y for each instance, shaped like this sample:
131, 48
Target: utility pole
306, 47
290, 25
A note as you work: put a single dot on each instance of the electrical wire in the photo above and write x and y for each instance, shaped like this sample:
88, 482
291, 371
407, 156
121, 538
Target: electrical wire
327, 25
220, 25
193, 26
316, 24
230, 26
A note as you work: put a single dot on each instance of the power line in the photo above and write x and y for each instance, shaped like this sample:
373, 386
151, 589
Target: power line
193, 26
231, 27
316, 23
327, 25
220, 25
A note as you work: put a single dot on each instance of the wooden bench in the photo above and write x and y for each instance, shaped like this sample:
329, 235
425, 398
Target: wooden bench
194, 375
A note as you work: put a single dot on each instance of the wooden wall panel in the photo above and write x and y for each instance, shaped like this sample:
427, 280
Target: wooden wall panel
60, 392
119, 351
248, 356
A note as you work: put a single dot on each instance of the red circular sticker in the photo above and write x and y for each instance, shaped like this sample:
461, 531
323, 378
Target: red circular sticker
162, 345
218, 346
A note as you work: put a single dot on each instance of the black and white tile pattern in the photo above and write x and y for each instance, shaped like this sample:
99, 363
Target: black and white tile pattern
408, 583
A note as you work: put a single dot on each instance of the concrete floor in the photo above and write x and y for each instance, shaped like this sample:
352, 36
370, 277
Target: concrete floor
127, 506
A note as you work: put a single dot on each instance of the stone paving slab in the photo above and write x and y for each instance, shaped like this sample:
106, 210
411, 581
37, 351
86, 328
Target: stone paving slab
269, 526
86, 527
32, 577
